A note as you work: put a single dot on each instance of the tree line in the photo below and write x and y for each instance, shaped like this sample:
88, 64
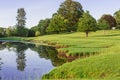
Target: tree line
70, 17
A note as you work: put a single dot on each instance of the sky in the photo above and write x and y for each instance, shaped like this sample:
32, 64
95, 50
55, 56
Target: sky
41, 9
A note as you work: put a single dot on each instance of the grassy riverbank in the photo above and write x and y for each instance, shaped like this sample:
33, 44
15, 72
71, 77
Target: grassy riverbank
104, 65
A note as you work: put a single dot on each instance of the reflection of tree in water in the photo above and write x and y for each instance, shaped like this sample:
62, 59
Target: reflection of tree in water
21, 61
46, 52
2, 46
49, 53
19, 48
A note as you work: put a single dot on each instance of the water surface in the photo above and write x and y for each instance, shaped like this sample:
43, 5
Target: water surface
22, 61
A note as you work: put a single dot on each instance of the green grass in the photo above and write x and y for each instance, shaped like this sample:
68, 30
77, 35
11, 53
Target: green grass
98, 67
104, 66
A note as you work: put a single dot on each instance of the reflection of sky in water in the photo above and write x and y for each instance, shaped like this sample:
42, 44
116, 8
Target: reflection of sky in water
34, 69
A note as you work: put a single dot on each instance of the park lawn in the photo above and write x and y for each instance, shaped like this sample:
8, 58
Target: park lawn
105, 65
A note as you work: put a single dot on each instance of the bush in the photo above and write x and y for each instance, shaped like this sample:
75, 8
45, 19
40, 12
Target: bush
37, 33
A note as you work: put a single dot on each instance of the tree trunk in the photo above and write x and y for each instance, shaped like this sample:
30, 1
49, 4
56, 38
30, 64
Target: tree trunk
86, 34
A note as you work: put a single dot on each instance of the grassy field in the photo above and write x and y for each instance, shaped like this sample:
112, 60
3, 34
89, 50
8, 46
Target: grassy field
104, 65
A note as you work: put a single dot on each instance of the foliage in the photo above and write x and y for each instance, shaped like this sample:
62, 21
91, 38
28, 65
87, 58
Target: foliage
2, 32
42, 26
21, 31
21, 17
31, 33
57, 24
35, 28
110, 19
9, 32
37, 33
72, 11
87, 23
103, 25
117, 18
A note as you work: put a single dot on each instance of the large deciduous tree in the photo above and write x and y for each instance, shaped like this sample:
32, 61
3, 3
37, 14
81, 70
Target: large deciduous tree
87, 23
72, 11
117, 18
110, 19
57, 24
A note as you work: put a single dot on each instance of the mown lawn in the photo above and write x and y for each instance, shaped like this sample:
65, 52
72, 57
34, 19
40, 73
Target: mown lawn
104, 65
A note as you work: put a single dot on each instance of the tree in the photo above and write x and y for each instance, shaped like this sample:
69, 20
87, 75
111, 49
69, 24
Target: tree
20, 27
21, 31
72, 11
111, 20
31, 33
2, 32
9, 32
42, 26
21, 17
57, 24
103, 25
117, 18
87, 23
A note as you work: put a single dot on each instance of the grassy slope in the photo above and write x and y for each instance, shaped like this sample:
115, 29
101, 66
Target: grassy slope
105, 65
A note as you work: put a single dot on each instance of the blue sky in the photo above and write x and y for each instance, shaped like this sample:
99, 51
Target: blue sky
41, 9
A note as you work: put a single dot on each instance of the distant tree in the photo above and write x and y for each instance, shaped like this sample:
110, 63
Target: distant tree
42, 26
110, 19
21, 17
2, 32
35, 28
9, 32
103, 25
57, 24
72, 11
87, 23
117, 18
20, 31
31, 33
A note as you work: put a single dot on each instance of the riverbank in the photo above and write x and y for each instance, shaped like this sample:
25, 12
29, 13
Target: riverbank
100, 53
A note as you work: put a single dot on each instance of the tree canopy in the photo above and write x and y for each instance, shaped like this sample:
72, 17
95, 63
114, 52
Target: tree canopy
117, 18
87, 23
72, 11
21, 17
110, 19
20, 26
57, 24
103, 25
42, 26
